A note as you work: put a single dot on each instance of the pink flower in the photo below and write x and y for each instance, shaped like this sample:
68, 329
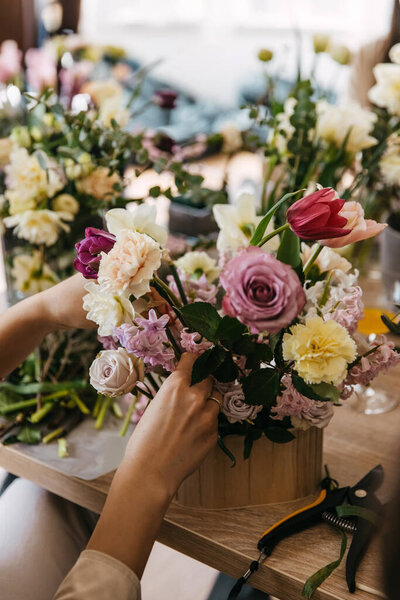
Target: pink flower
262, 292
358, 227
10, 61
41, 69
317, 215
73, 78
233, 405
165, 98
108, 342
353, 310
191, 342
369, 367
89, 251
196, 290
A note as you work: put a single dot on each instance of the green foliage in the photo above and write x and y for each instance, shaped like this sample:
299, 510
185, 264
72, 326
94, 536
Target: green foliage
307, 390
202, 317
261, 387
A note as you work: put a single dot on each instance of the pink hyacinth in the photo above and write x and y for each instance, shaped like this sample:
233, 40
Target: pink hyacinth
148, 340
108, 342
353, 310
369, 367
191, 342
290, 403
196, 290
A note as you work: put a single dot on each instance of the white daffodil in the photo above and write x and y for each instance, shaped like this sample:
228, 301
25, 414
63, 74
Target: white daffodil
197, 264
334, 123
141, 219
237, 224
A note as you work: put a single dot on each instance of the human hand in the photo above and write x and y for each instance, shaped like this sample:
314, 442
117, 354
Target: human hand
62, 304
177, 430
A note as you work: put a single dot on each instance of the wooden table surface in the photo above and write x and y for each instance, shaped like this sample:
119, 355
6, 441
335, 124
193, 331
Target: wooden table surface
226, 539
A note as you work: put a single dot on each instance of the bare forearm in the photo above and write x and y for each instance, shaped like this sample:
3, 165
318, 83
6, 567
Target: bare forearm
22, 328
131, 517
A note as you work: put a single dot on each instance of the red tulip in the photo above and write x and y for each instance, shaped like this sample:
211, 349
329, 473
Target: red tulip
316, 216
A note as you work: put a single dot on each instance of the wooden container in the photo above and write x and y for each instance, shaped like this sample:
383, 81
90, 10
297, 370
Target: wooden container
273, 473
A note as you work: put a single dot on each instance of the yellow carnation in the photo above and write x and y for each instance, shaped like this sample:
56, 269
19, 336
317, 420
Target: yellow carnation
320, 349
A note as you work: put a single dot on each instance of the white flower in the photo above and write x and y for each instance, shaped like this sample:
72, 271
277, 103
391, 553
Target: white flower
237, 224
31, 275
394, 54
99, 184
342, 285
39, 226
334, 123
115, 372
130, 265
107, 310
6, 147
141, 219
66, 203
390, 161
19, 203
197, 264
385, 92
100, 91
26, 176
112, 109
328, 259
232, 138
284, 130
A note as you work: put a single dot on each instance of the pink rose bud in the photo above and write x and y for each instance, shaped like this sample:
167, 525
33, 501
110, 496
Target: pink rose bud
318, 216
357, 227
89, 251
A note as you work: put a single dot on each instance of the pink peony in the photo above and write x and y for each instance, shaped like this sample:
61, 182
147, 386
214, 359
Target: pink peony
262, 292
317, 215
358, 227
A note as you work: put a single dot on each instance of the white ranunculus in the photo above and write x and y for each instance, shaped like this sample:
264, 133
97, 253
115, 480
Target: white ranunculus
39, 226
112, 109
106, 310
142, 219
334, 123
394, 54
65, 203
237, 223
115, 373
232, 138
30, 274
130, 265
328, 259
198, 263
385, 93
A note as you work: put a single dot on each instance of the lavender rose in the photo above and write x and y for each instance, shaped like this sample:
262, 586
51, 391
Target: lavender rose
115, 373
233, 405
317, 415
262, 292
89, 251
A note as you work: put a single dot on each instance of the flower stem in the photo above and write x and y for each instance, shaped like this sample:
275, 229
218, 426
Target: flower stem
174, 345
80, 404
273, 234
128, 417
102, 412
312, 259
163, 293
167, 290
53, 435
325, 295
42, 412
178, 282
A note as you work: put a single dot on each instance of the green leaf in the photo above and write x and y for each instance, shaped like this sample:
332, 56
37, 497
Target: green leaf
29, 435
207, 363
44, 387
202, 317
306, 390
261, 387
249, 441
155, 191
347, 510
230, 330
319, 577
260, 353
227, 371
393, 327
289, 249
279, 435
265, 221
327, 391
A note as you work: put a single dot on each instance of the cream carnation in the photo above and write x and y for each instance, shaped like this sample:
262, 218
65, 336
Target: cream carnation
197, 264
19, 203
320, 349
29, 180
39, 226
115, 373
66, 203
99, 184
334, 123
328, 259
31, 275
107, 310
130, 265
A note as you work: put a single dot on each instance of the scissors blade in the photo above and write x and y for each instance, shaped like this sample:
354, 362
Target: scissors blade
372, 481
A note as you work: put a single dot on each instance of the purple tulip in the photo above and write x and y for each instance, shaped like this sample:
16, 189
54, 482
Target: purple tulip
165, 98
89, 250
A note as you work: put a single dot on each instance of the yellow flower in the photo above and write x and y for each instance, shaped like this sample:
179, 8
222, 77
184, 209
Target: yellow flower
320, 349
197, 264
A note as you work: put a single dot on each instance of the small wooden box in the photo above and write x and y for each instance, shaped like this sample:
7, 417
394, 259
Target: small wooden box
273, 473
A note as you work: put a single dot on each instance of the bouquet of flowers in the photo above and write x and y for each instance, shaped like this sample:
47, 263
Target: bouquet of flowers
273, 320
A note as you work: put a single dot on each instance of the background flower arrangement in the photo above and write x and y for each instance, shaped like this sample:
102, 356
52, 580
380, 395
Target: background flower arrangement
273, 322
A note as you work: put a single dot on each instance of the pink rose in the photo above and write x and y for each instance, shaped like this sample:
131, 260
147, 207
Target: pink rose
358, 227
233, 405
318, 215
262, 292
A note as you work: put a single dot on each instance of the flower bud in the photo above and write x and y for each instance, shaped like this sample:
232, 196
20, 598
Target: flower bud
320, 42
265, 55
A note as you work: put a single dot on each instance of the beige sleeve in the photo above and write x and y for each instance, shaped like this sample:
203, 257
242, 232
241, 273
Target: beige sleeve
97, 576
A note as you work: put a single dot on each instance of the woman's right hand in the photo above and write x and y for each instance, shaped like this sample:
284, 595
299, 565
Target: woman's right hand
177, 430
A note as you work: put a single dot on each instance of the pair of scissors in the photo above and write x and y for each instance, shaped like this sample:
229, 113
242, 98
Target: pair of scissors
361, 495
